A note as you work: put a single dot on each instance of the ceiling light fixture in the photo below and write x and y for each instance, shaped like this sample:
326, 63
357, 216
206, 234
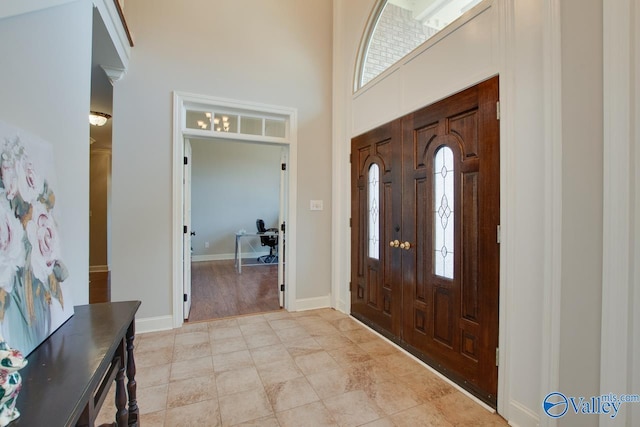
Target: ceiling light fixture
203, 123
225, 123
98, 119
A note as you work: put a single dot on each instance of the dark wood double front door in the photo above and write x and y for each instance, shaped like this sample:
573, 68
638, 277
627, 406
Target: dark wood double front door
425, 214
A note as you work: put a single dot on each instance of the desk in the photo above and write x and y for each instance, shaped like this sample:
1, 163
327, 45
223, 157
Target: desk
69, 374
238, 253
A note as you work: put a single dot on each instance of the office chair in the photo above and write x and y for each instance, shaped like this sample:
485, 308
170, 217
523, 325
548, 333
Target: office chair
271, 241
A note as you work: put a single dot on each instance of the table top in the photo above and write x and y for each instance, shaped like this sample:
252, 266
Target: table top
66, 368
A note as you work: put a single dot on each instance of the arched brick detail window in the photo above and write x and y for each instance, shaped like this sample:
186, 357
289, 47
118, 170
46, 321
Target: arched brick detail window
397, 27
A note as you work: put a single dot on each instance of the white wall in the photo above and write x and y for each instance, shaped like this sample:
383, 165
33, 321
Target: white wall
45, 87
582, 175
620, 365
525, 210
12, 8
349, 20
232, 184
274, 52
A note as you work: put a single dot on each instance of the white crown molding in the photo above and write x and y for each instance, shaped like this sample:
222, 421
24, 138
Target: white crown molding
113, 74
115, 27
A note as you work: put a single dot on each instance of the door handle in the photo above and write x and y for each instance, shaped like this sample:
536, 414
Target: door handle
394, 243
405, 245
193, 233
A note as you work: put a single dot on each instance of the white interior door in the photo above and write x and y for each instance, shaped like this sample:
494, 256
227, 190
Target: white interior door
186, 247
282, 221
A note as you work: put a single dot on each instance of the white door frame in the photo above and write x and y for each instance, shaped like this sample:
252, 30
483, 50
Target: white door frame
181, 101
186, 237
282, 219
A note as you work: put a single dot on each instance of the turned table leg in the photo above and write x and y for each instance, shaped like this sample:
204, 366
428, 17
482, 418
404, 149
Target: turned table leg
122, 414
131, 375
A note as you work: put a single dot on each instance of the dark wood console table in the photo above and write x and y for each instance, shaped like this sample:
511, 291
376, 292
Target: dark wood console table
68, 375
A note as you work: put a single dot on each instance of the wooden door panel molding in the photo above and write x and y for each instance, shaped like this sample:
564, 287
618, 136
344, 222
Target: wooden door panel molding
422, 141
388, 256
383, 151
445, 312
470, 346
443, 317
469, 247
464, 126
373, 288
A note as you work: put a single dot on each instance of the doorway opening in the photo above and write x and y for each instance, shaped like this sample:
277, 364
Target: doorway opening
236, 187
100, 141
202, 118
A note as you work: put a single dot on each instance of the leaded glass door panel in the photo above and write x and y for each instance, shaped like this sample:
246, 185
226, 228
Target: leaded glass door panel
376, 284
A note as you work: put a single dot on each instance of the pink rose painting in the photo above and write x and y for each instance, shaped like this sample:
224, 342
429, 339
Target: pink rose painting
33, 302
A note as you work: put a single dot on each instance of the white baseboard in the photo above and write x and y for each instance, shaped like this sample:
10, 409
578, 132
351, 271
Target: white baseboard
341, 306
521, 416
211, 257
220, 257
313, 303
153, 324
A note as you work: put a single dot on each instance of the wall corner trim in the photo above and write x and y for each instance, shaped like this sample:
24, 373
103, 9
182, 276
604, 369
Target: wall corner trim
552, 93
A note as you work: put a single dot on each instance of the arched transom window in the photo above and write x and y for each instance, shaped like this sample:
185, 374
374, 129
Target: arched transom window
397, 27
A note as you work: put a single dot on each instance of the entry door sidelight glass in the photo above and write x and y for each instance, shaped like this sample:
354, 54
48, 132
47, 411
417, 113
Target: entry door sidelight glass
374, 211
443, 218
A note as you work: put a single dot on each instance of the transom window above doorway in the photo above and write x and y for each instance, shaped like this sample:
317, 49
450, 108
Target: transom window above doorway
397, 27
234, 122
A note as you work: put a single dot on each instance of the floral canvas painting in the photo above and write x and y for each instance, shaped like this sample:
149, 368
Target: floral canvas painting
33, 301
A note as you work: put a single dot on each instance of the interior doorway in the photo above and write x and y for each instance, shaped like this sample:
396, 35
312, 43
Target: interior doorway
100, 141
203, 117
235, 187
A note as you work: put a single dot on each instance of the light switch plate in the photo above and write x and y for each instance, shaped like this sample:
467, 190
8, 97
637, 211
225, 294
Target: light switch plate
316, 205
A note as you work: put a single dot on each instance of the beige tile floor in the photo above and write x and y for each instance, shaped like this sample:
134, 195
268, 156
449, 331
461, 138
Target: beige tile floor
313, 368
